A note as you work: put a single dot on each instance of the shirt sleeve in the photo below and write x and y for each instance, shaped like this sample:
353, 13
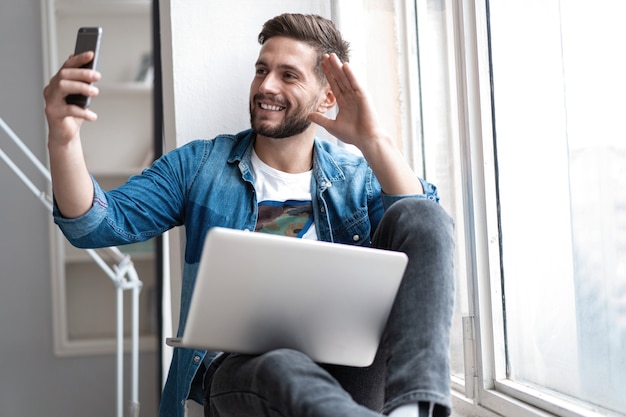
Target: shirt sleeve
145, 206
76, 228
430, 193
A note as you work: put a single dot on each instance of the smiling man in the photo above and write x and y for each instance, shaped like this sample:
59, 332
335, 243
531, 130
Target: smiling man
277, 177
302, 96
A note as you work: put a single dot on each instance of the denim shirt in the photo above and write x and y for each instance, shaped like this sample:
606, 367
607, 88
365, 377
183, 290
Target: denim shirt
208, 183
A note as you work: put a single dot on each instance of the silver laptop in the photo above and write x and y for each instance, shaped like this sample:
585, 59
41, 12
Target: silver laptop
257, 292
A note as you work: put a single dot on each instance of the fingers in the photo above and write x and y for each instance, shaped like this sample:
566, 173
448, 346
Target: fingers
60, 88
57, 109
356, 121
340, 76
77, 61
320, 120
56, 92
64, 120
71, 79
74, 69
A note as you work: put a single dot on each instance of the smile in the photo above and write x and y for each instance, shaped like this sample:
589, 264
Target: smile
271, 107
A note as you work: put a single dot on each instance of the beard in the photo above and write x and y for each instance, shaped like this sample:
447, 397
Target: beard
293, 123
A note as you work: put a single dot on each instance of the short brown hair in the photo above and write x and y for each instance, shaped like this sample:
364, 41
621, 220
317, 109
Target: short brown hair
316, 31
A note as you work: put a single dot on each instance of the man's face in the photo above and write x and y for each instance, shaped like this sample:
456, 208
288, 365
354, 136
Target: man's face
285, 89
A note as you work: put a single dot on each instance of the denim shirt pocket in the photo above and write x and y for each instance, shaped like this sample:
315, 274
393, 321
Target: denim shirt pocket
354, 229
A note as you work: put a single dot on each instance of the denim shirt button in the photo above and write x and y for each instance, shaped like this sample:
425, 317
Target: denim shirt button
196, 359
356, 238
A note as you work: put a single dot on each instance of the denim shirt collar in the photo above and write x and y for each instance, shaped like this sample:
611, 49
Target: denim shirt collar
326, 171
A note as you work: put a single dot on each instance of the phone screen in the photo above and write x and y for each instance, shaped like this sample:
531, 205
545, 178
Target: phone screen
87, 39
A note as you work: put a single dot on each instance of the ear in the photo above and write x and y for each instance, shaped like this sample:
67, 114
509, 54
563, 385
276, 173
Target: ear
329, 100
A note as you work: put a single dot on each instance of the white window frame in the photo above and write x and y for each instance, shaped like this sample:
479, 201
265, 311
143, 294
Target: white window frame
486, 388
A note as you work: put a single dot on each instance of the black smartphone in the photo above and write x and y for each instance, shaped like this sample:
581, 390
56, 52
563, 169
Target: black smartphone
87, 39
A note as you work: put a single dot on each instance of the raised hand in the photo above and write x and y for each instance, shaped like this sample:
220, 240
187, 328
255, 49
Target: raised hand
73, 188
64, 120
356, 122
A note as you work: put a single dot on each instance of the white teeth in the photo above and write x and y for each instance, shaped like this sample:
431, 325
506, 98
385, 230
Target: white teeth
270, 107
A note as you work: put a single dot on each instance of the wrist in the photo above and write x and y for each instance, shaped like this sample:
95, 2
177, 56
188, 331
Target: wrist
378, 147
62, 144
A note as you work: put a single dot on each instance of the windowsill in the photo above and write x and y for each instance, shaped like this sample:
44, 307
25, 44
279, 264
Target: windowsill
464, 407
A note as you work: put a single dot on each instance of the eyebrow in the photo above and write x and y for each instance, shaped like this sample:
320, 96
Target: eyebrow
287, 67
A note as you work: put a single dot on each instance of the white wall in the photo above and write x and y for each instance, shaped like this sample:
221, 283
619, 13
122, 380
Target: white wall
33, 382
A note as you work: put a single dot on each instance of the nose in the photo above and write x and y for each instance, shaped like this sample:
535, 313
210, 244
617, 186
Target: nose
269, 84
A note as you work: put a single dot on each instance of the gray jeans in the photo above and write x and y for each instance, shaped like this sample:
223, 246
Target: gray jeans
412, 363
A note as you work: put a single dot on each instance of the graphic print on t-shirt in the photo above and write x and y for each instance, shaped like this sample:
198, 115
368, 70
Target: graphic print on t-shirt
288, 218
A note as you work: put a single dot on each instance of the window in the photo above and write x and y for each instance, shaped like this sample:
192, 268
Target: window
521, 105
561, 154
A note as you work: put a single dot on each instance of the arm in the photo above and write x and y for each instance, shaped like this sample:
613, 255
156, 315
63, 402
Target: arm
71, 183
356, 123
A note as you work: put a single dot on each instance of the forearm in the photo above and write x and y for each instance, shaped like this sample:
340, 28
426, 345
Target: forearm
390, 167
71, 182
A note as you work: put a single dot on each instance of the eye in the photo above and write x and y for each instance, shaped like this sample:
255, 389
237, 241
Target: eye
290, 76
261, 72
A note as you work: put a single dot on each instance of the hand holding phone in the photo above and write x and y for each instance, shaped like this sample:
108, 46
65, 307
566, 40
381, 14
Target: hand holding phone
87, 39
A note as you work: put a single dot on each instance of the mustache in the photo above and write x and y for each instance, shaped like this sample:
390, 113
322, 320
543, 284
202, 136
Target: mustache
269, 99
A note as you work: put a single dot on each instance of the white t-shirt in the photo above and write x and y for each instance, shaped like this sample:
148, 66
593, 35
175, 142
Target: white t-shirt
284, 201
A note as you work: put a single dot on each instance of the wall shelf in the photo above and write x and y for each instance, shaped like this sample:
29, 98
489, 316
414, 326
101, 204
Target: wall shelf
66, 8
119, 144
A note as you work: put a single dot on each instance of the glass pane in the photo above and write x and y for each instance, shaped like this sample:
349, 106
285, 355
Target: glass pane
441, 152
561, 152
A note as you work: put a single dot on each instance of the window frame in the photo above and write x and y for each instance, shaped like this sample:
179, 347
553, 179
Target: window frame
486, 388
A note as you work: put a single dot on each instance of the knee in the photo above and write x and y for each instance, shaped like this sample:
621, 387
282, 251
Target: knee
280, 363
283, 357
288, 371
412, 218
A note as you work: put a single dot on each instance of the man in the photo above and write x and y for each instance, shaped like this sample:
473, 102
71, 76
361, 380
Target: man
321, 190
